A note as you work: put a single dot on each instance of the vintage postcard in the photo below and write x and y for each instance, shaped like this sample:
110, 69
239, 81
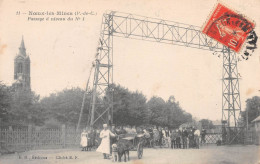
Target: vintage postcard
135, 81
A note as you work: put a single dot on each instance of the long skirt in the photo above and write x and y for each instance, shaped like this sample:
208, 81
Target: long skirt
84, 142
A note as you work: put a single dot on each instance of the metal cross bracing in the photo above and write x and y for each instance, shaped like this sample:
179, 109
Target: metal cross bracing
103, 77
155, 30
164, 31
231, 104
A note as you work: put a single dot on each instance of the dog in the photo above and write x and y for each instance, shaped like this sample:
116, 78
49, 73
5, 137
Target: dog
123, 148
114, 153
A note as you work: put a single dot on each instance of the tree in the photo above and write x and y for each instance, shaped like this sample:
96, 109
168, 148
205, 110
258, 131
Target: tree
176, 115
25, 108
166, 113
19, 107
137, 108
156, 108
253, 108
129, 107
5, 101
206, 124
65, 106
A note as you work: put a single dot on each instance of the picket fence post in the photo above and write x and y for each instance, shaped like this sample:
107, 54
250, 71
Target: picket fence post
63, 135
29, 137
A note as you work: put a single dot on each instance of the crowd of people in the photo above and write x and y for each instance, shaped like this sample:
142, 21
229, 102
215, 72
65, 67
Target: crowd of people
175, 138
181, 138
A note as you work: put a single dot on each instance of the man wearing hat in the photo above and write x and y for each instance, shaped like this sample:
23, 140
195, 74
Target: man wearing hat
104, 146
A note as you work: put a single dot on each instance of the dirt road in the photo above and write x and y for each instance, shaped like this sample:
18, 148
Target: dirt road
205, 155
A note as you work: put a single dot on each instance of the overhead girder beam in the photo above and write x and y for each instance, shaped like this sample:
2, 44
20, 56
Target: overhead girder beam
156, 30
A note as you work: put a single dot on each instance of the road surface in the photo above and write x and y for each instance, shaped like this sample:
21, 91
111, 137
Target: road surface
207, 154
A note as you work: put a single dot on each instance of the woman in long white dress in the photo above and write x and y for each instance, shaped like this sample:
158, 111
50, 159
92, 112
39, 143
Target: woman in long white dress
104, 146
84, 140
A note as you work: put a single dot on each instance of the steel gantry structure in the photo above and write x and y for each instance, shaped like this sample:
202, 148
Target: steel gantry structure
117, 24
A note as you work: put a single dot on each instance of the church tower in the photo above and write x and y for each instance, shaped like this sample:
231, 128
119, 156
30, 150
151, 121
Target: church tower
22, 69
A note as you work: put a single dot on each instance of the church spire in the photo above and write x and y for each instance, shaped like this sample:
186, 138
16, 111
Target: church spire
22, 69
22, 48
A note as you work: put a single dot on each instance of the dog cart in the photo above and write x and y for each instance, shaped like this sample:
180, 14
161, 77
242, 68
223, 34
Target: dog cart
137, 141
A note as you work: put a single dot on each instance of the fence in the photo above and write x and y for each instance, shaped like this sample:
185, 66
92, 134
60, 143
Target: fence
212, 138
30, 138
238, 135
233, 136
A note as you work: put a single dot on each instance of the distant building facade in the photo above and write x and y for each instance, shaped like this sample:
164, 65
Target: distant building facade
22, 69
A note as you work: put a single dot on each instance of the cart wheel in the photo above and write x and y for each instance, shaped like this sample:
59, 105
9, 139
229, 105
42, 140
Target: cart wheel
140, 150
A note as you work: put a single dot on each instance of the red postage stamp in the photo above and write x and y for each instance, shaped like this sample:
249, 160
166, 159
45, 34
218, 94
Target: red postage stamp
228, 27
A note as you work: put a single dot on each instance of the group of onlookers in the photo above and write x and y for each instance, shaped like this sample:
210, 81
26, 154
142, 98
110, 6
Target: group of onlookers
176, 138
187, 138
184, 138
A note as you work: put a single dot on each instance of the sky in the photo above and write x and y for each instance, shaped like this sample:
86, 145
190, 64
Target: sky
61, 52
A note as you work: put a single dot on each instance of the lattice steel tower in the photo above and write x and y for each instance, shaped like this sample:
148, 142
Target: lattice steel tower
231, 104
103, 76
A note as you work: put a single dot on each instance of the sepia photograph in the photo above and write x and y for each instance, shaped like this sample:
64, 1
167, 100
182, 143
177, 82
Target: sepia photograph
129, 81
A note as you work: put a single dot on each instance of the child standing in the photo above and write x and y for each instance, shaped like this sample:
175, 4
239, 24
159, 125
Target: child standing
84, 140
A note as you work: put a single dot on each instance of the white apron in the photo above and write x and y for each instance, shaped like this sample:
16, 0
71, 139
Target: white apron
104, 146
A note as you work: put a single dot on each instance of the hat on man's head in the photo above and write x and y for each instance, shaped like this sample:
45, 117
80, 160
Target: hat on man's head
104, 125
